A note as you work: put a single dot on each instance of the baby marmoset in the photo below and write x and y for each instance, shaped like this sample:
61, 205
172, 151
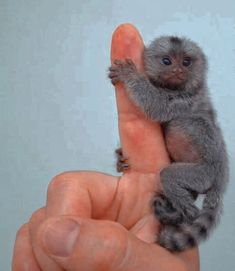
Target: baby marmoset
173, 91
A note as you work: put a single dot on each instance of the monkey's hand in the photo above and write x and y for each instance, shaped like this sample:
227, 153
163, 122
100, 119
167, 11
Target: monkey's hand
123, 71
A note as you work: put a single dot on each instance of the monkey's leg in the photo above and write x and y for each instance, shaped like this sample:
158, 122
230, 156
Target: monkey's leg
121, 164
165, 212
179, 180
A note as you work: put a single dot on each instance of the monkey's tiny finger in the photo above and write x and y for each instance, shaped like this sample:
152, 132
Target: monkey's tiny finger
112, 74
118, 62
120, 167
123, 165
118, 155
130, 61
114, 81
118, 151
112, 68
122, 158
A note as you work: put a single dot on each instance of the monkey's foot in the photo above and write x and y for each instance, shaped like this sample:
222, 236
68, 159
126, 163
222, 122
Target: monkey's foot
121, 164
190, 212
165, 212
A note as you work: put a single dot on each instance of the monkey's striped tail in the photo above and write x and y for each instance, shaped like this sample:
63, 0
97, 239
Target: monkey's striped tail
184, 236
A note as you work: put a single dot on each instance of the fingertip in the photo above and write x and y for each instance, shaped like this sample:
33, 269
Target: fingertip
127, 43
23, 257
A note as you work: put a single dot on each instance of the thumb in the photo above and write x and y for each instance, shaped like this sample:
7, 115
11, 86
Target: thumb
84, 244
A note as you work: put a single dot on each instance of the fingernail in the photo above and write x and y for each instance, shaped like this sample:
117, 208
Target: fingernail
60, 237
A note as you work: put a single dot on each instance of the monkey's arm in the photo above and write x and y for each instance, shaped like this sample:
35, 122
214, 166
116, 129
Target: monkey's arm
150, 99
156, 103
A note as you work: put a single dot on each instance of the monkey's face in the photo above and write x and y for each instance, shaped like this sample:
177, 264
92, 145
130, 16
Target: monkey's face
175, 63
174, 70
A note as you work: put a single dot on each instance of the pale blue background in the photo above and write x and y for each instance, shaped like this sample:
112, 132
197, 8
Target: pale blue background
57, 109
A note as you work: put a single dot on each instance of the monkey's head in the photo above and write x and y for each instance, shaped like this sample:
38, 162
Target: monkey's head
175, 63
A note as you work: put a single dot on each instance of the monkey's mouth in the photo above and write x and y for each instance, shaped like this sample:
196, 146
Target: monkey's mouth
176, 80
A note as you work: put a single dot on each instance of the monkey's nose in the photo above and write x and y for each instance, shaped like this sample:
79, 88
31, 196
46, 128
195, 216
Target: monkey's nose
177, 70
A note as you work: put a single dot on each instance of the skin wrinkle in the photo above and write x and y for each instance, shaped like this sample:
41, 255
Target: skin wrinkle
117, 200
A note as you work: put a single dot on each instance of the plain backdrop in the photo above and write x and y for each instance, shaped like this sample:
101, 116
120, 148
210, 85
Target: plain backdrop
57, 107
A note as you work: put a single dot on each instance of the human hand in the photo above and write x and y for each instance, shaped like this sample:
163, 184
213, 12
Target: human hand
111, 222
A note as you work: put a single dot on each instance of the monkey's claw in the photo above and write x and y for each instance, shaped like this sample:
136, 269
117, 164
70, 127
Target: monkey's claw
121, 164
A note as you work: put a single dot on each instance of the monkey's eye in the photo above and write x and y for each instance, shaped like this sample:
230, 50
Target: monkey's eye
187, 62
166, 61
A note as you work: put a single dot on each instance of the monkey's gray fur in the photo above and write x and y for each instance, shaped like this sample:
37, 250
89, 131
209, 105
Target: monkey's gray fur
173, 91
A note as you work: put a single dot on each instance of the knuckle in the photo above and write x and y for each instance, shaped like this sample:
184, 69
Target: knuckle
65, 179
38, 214
58, 180
22, 231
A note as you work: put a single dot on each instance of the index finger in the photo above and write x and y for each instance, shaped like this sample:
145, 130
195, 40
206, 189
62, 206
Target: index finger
141, 139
